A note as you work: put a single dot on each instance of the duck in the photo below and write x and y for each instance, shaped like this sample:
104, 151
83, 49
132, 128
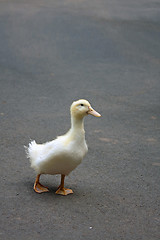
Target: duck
63, 154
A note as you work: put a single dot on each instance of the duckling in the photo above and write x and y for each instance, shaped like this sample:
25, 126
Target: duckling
65, 153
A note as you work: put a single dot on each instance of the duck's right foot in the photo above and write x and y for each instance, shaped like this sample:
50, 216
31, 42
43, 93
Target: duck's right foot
64, 191
61, 190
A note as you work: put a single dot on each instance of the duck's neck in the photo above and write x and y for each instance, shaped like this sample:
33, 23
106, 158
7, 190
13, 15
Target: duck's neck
77, 125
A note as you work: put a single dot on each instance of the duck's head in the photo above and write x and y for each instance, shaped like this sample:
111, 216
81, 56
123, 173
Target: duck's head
81, 108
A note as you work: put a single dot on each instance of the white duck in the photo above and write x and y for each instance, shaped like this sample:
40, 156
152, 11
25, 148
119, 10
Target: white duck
65, 153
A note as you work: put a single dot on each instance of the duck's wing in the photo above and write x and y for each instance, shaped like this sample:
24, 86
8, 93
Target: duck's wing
50, 150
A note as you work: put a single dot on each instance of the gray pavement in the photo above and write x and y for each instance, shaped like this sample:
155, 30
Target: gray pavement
54, 52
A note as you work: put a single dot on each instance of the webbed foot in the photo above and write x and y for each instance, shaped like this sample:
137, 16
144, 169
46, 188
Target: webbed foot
38, 187
64, 191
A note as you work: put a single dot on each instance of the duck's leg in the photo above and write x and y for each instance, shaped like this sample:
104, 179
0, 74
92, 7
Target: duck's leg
61, 190
38, 187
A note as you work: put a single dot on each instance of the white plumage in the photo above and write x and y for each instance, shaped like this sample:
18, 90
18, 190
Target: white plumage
65, 153
59, 156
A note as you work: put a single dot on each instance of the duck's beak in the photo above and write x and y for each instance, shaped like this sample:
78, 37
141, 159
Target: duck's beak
93, 112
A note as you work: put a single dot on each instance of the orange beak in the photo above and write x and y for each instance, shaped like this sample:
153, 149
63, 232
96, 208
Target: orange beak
93, 112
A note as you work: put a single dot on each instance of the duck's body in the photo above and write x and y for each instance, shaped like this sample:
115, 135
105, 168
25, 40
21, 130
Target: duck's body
60, 156
65, 153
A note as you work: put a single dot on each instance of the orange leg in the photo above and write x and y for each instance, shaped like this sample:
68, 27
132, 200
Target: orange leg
61, 190
38, 187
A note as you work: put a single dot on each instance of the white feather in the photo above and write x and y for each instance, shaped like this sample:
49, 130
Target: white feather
65, 153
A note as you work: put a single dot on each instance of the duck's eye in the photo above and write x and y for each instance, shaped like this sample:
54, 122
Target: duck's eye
82, 104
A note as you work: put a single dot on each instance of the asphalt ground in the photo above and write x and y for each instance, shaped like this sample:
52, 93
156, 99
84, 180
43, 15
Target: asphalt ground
108, 52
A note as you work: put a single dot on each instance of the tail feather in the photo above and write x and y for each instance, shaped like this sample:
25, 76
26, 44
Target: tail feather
31, 151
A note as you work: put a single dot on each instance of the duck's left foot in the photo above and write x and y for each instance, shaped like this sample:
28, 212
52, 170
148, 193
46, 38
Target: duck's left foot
64, 191
39, 188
